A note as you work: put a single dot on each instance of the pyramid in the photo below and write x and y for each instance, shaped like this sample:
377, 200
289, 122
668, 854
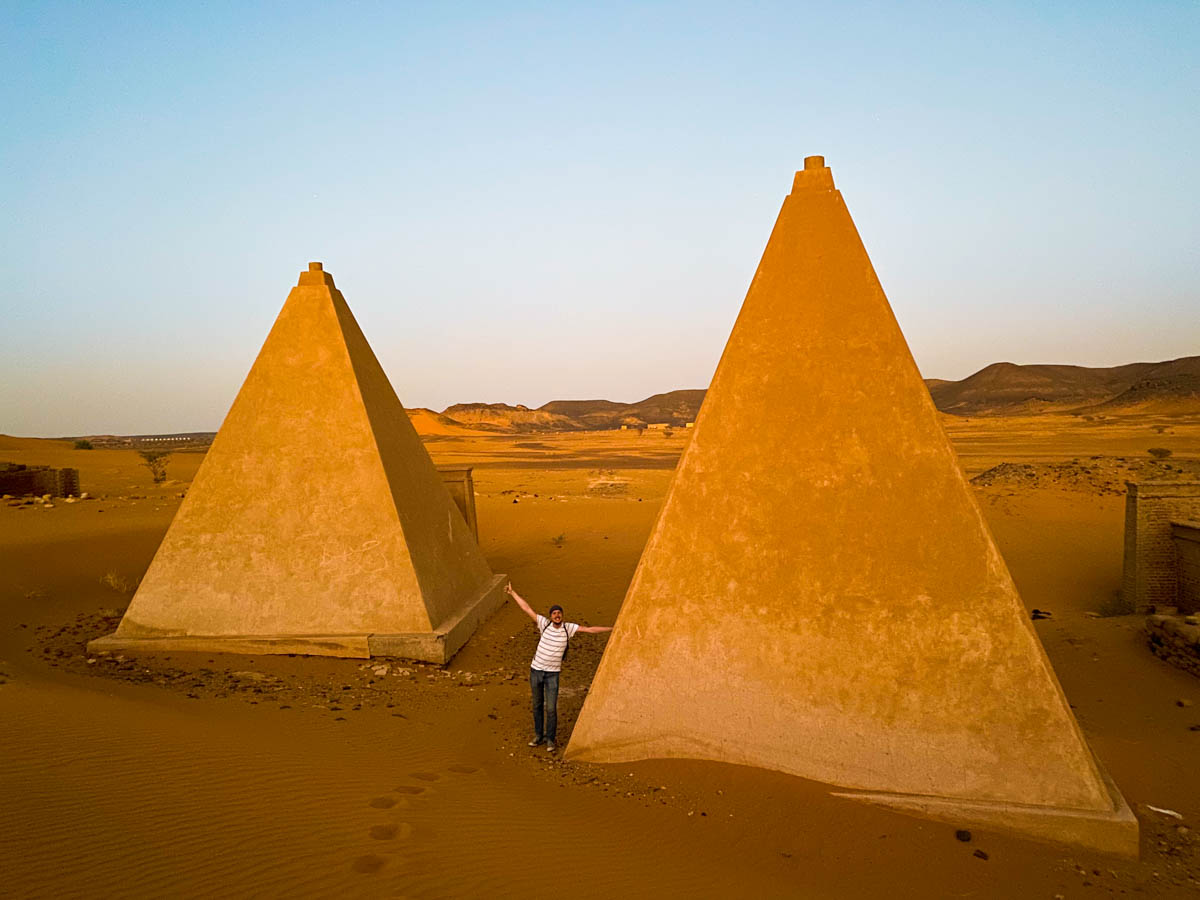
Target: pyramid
317, 523
820, 594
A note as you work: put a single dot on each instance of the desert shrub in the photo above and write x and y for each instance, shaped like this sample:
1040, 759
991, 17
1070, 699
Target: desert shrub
1159, 452
156, 462
84, 445
559, 541
117, 582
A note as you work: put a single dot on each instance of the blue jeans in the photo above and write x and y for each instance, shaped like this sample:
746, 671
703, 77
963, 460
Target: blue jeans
544, 686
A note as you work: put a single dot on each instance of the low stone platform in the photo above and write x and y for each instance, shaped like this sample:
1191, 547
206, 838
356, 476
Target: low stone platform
1176, 640
1113, 831
438, 646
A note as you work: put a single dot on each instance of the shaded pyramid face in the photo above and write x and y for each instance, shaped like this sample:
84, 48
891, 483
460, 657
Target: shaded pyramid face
317, 522
820, 594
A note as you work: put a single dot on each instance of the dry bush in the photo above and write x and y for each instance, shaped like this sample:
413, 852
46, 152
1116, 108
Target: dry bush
118, 582
1159, 452
156, 462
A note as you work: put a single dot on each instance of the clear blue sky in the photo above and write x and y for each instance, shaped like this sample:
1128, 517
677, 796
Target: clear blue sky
526, 202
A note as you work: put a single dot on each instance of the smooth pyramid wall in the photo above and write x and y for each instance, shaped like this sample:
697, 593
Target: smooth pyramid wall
820, 594
317, 523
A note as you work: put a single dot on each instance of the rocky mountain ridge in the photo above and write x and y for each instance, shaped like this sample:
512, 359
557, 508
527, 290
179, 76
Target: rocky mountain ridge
1171, 387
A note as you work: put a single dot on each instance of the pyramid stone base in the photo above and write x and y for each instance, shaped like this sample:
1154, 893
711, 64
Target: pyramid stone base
1112, 831
353, 646
441, 645
431, 646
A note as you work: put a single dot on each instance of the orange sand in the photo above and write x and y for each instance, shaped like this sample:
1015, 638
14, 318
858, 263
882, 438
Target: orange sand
153, 777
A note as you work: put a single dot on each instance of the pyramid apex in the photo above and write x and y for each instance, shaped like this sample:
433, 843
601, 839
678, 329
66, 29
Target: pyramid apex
316, 274
815, 176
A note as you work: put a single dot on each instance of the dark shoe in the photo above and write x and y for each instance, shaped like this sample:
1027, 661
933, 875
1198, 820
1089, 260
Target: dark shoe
537, 742
551, 746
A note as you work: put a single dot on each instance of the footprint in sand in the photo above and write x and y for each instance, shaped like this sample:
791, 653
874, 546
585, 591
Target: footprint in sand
391, 832
425, 776
383, 802
368, 864
409, 789
464, 770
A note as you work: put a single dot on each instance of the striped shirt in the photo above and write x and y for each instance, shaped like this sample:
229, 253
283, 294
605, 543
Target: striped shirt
549, 654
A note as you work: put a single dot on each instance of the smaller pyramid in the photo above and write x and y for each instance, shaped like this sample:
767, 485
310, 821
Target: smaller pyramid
317, 523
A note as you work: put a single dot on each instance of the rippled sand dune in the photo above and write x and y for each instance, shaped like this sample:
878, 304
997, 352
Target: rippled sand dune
221, 776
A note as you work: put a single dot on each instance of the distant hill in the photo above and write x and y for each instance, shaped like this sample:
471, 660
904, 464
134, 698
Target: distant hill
1001, 389
512, 419
426, 421
1006, 389
673, 408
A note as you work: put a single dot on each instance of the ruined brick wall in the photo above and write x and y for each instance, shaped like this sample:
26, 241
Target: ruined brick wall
1186, 536
1151, 578
20, 480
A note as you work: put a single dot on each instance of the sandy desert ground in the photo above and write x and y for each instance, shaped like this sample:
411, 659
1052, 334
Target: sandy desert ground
215, 776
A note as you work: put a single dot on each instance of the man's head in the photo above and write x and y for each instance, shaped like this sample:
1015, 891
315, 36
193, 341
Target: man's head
556, 615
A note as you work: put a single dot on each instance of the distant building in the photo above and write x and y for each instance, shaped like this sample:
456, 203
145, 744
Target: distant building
21, 480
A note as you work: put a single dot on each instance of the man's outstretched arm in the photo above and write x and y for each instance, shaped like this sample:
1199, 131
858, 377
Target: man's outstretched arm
595, 629
508, 589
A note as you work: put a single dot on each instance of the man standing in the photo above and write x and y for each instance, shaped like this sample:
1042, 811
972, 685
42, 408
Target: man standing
546, 666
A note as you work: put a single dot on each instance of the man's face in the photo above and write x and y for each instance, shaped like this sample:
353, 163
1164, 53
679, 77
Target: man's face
556, 617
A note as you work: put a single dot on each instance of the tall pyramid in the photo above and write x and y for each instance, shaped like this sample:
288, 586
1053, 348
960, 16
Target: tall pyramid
317, 523
820, 594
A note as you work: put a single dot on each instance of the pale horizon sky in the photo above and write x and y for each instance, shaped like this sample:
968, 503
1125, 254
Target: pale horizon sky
524, 202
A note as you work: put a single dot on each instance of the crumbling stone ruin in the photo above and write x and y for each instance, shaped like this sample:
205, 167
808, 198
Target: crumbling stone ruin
1162, 566
20, 480
1175, 639
1161, 559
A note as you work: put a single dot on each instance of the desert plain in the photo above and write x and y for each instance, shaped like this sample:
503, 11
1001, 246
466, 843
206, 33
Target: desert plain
205, 775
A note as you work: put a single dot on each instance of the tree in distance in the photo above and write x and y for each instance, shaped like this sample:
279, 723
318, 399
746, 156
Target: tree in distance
1159, 452
84, 445
156, 462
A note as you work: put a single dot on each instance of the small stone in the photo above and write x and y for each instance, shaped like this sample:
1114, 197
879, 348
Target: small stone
1092, 615
1185, 703
249, 676
981, 854
85, 496
963, 835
